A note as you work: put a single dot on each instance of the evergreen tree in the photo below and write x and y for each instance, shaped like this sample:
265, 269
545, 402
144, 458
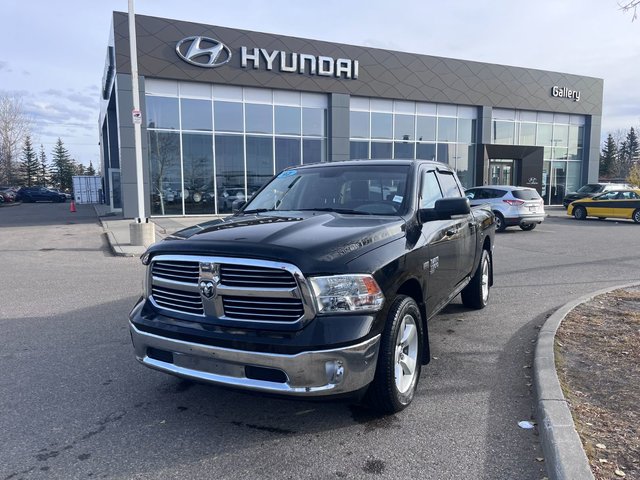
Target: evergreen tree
90, 170
634, 175
633, 148
608, 158
29, 166
628, 152
79, 169
621, 170
63, 167
43, 169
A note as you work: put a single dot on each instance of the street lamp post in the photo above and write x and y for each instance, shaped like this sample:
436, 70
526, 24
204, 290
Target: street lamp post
142, 232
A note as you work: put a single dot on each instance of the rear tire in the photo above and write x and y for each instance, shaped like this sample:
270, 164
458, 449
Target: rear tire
636, 215
528, 226
500, 223
476, 293
579, 213
399, 358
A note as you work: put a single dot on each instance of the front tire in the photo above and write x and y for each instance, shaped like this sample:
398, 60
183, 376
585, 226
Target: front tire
580, 213
636, 215
528, 226
399, 359
476, 293
500, 223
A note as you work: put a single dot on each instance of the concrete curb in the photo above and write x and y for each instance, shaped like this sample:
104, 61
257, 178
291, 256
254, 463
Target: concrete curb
564, 455
115, 247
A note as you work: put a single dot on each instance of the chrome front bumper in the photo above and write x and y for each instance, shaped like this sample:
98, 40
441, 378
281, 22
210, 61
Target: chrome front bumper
314, 373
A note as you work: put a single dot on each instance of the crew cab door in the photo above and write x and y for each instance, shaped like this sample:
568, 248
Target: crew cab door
463, 225
440, 242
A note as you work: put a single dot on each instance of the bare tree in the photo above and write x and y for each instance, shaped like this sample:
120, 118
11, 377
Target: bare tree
630, 6
14, 127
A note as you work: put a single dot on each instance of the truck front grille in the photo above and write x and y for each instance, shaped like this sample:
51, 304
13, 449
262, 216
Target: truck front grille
229, 290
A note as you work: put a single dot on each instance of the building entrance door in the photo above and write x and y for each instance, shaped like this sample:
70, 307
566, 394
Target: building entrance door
555, 174
115, 193
501, 171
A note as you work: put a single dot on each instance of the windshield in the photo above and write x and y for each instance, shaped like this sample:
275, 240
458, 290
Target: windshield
364, 190
590, 188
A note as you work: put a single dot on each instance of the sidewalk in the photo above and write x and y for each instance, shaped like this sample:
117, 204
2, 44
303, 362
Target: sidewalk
116, 228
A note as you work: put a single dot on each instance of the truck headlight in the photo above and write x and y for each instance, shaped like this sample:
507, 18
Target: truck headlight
347, 293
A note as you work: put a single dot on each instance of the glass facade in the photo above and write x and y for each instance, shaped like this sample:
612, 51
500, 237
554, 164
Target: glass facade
382, 129
561, 136
211, 146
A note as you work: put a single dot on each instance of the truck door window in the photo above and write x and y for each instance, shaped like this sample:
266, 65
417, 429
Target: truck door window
430, 191
449, 185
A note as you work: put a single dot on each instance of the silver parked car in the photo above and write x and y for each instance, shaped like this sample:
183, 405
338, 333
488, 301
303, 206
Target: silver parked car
521, 206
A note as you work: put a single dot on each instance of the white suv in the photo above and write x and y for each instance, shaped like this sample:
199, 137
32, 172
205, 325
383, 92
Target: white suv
512, 206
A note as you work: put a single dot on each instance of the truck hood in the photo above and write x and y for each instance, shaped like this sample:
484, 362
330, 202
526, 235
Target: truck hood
317, 242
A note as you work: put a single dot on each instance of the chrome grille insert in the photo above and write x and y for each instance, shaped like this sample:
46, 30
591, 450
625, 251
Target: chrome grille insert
178, 300
268, 309
177, 271
253, 276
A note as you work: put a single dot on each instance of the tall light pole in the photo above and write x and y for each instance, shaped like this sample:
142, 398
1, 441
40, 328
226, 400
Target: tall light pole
141, 231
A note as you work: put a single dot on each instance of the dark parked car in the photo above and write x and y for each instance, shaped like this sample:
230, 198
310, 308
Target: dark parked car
67, 195
39, 194
591, 190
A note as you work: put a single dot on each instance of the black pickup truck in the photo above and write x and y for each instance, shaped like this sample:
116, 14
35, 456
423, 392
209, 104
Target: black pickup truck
322, 284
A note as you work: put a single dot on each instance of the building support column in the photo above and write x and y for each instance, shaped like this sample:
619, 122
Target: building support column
338, 127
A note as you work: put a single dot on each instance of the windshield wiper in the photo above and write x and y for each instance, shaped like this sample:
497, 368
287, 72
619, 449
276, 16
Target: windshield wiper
259, 210
337, 210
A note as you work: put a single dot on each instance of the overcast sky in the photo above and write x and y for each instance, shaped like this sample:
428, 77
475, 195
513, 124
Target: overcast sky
53, 52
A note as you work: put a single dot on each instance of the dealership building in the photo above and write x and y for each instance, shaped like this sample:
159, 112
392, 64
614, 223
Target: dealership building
224, 109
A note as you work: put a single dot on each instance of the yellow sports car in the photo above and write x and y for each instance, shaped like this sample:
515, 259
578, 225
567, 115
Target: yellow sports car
613, 204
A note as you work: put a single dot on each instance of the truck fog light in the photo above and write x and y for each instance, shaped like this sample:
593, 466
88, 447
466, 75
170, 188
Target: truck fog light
335, 371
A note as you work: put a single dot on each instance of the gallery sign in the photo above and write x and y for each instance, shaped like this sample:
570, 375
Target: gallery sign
564, 92
211, 53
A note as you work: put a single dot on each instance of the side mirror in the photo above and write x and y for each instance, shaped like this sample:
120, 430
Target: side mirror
445, 208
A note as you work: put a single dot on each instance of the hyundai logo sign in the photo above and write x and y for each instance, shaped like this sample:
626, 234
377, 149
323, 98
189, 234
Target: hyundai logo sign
203, 51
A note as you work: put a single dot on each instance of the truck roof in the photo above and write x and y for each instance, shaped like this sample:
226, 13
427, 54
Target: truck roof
373, 162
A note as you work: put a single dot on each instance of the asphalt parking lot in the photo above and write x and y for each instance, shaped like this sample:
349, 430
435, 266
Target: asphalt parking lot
75, 404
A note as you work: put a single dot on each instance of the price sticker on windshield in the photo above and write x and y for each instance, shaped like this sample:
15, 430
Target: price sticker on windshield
287, 173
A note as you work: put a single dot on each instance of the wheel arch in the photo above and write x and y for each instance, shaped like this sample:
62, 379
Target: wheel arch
412, 288
487, 246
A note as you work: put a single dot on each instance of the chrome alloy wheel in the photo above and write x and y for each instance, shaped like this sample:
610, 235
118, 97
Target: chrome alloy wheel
406, 354
485, 280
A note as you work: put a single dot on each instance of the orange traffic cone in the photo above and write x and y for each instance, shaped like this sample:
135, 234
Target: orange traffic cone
72, 208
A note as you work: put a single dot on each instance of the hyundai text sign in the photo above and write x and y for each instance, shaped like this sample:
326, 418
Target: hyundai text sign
564, 92
209, 53
203, 51
299, 62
